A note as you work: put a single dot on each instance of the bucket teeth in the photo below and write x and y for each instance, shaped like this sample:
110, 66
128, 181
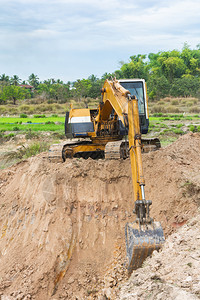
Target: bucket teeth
141, 242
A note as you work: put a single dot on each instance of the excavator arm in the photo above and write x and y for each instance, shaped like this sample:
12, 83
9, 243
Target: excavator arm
114, 96
144, 235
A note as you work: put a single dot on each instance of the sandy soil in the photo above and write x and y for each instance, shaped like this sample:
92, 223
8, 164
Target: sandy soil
62, 226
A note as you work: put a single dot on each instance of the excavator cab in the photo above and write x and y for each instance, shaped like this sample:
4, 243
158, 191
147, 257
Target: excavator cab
137, 88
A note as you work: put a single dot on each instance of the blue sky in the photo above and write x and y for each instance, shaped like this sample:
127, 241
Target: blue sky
72, 39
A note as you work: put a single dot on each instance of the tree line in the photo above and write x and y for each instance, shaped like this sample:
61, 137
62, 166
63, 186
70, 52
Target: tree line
167, 73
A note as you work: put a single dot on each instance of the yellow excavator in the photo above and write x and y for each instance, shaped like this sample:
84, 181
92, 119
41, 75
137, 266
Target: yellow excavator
112, 131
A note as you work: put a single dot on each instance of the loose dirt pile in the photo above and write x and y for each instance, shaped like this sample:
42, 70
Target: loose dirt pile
62, 225
172, 273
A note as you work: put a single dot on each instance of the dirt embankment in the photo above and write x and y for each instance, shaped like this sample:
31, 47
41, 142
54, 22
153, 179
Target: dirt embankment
172, 273
62, 225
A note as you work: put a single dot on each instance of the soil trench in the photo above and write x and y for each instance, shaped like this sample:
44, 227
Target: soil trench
62, 224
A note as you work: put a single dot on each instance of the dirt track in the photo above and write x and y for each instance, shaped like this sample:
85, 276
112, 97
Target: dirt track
62, 225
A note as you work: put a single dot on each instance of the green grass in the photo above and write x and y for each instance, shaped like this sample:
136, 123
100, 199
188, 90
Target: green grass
32, 119
28, 151
52, 123
33, 127
173, 117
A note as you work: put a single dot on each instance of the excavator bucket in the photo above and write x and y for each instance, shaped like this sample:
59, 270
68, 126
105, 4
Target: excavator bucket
141, 242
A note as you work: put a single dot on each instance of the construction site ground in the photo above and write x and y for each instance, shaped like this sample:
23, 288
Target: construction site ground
62, 227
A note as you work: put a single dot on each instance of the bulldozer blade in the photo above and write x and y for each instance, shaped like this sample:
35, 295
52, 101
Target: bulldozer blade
141, 242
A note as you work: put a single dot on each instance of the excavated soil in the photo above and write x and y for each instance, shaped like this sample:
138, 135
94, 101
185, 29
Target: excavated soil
62, 226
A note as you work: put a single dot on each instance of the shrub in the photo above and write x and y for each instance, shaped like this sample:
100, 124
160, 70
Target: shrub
23, 116
158, 109
194, 109
195, 101
24, 108
25, 152
39, 116
50, 122
157, 114
15, 128
190, 103
174, 102
162, 125
31, 135
172, 109
3, 109
160, 102
9, 136
12, 110
36, 148
177, 131
193, 128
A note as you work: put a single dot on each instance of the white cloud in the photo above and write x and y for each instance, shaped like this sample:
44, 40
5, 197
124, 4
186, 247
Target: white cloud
37, 28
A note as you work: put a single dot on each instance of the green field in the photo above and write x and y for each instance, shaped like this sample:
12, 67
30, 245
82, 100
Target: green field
35, 124
161, 124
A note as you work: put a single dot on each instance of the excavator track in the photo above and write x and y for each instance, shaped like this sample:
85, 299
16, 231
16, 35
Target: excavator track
150, 144
120, 149
113, 150
55, 152
73, 148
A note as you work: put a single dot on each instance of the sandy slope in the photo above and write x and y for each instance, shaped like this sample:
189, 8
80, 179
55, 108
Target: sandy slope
62, 225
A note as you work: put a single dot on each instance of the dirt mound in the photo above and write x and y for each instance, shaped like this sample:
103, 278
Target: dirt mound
62, 225
173, 273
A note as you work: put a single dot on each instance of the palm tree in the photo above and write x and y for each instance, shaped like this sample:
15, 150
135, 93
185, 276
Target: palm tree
33, 80
15, 80
4, 78
59, 81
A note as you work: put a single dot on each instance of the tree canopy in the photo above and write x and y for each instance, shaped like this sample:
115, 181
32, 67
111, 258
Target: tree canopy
167, 73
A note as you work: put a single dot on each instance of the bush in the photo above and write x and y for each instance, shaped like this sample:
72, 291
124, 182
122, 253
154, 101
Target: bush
39, 116
172, 109
25, 152
157, 114
23, 116
15, 128
194, 109
174, 102
178, 131
179, 125
31, 135
12, 110
195, 101
50, 122
9, 136
160, 102
158, 109
3, 109
190, 103
194, 128
25, 108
